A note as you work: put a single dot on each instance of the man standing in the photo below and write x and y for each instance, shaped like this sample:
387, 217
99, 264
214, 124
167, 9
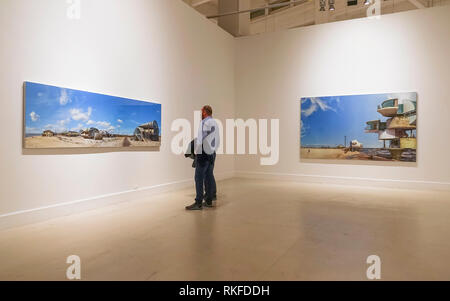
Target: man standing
205, 149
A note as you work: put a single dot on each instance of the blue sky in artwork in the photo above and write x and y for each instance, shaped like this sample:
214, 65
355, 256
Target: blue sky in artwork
326, 120
60, 109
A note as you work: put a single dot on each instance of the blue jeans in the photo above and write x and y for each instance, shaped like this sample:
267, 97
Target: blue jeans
212, 179
204, 177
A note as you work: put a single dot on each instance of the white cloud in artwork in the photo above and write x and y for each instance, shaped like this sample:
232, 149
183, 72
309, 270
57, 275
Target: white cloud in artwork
103, 124
303, 129
34, 116
57, 128
316, 103
32, 130
62, 123
64, 98
119, 121
78, 128
78, 114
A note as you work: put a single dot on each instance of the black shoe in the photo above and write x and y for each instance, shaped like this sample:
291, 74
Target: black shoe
194, 206
208, 204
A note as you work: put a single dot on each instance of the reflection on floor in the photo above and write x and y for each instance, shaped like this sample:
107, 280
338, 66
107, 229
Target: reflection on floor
260, 230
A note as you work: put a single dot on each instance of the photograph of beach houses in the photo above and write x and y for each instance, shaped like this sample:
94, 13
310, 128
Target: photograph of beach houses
380, 127
65, 118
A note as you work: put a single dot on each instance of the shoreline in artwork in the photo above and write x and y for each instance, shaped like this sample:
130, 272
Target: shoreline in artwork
60, 141
372, 154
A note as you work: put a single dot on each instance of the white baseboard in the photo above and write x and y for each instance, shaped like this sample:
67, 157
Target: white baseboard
354, 181
35, 215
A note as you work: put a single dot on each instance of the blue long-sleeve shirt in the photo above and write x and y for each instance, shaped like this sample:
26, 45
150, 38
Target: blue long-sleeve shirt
208, 134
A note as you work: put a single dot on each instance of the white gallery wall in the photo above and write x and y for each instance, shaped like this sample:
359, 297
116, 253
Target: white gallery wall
160, 51
404, 52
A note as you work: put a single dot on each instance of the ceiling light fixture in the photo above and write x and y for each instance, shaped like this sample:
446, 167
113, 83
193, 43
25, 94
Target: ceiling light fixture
331, 4
322, 5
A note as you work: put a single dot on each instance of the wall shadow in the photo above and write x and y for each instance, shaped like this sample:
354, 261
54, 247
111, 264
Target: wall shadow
85, 151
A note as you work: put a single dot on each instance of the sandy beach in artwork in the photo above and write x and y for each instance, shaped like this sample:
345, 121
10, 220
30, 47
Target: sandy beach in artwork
76, 142
337, 154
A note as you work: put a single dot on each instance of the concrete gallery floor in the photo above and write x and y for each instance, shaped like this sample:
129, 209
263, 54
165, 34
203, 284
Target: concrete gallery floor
260, 230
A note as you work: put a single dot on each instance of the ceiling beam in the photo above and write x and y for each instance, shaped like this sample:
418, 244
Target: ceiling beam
282, 4
196, 3
417, 4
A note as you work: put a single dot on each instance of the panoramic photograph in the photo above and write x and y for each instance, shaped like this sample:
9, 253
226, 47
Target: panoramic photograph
379, 127
65, 118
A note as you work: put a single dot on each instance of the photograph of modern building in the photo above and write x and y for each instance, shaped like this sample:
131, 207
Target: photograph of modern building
273, 142
334, 127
